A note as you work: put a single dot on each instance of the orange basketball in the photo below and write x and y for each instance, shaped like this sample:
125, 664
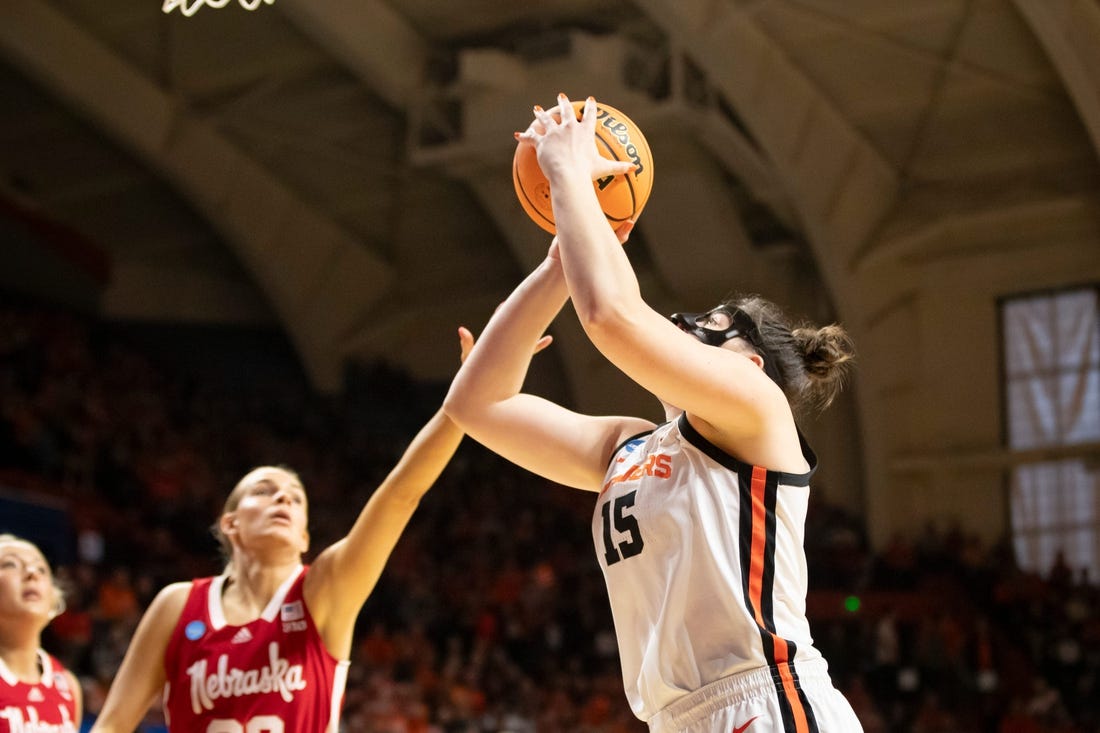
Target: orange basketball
621, 197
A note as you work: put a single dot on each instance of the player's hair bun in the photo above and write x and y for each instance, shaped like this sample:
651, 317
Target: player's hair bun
827, 354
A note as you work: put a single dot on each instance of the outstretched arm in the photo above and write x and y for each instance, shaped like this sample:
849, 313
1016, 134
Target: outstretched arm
344, 574
485, 397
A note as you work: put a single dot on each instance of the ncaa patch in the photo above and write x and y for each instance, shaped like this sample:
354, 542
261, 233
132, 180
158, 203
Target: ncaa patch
194, 630
61, 684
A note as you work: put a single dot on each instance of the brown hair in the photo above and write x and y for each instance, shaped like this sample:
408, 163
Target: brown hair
59, 592
225, 547
812, 362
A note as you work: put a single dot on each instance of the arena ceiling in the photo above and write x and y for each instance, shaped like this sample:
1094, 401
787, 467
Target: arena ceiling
341, 168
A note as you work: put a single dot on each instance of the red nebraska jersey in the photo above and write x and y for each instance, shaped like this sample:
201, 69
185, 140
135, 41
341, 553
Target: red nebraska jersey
48, 706
271, 675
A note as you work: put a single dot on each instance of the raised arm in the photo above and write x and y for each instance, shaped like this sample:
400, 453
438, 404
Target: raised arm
140, 678
722, 387
344, 574
485, 397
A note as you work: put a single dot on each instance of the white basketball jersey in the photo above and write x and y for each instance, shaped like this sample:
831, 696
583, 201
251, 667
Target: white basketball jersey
705, 568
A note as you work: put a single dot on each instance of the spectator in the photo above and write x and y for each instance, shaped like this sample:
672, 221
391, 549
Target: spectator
548, 666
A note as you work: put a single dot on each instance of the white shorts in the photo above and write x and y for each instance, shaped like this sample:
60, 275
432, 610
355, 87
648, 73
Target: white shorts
761, 701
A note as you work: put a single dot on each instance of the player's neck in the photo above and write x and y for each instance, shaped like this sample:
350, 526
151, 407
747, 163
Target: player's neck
252, 584
22, 660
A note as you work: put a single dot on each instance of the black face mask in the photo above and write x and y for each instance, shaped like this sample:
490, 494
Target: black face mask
741, 324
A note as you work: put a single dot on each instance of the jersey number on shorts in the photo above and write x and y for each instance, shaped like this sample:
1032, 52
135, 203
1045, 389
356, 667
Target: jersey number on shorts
257, 724
624, 524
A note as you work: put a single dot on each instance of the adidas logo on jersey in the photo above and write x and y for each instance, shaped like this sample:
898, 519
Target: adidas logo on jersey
35, 695
242, 637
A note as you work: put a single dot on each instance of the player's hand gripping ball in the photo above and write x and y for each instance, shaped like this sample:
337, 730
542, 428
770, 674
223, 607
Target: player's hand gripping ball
621, 197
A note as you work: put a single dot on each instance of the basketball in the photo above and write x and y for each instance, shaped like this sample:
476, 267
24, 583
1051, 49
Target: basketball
621, 197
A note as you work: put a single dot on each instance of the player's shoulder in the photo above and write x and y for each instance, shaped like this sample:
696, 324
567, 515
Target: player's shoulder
626, 429
165, 610
179, 588
172, 597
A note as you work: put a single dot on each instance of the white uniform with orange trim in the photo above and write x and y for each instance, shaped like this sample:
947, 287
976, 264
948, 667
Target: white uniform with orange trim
706, 573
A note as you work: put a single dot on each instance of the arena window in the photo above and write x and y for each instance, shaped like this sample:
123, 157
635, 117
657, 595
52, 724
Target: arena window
1051, 347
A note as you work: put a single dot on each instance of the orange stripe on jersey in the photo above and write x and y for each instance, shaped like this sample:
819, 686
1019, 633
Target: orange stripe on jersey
759, 557
759, 540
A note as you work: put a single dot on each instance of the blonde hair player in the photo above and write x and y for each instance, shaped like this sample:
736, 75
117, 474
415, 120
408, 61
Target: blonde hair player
37, 693
698, 522
264, 646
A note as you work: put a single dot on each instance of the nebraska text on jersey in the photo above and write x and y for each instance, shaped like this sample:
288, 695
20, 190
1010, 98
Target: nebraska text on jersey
278, 676
16, 724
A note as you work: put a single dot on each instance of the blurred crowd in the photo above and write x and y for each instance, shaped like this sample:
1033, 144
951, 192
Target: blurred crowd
491, 615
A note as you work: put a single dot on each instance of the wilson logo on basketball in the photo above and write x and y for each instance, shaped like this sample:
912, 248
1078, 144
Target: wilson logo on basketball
278, 675
621, 131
